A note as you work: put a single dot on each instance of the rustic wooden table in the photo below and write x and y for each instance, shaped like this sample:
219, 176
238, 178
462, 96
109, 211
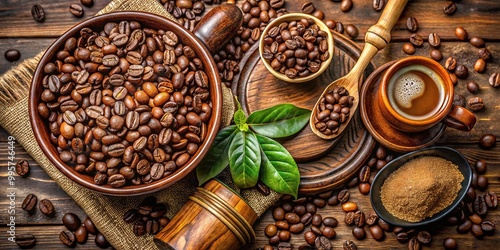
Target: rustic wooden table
479, 17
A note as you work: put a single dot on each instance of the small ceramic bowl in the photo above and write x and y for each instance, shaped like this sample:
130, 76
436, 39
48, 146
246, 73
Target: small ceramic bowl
297, 17
443, 152
41, 128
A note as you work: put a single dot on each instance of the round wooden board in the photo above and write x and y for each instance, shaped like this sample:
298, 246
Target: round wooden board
323, 164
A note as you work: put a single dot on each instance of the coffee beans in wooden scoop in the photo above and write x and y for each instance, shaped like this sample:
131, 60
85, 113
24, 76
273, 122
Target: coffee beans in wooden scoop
148, 217
333, 110
297, 48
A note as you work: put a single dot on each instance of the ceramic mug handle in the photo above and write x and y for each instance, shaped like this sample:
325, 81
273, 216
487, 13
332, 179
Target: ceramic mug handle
460, 118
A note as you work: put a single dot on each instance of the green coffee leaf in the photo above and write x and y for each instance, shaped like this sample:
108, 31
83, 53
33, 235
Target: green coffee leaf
278, 170
280, 121
244, 159
216, 158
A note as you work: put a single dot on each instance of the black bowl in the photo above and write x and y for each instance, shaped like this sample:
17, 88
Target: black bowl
443, 152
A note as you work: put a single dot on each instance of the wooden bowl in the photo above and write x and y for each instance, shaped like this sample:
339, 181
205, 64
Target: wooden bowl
443, 152
40, 125
296, 17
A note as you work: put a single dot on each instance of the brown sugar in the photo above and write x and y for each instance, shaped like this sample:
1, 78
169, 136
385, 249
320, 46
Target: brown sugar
421, 188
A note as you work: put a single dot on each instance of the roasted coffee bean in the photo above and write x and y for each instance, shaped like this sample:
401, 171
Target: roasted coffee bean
384, 225
323, 243
329, 222
71, 221
130, 216
101, 241
464, 227
271, 230
316, 230
76, 10
414, 244
307, 7
459, 100
38, 13
25, 240
477, 231
339, 27
372, 219
450, 244
67, 238
282, 225
416, 40
299, 210
475, 104
476, 42
152, 226
487, 141
408, 48
343, 196
488, 226
482, 182
436, 55
46, 207
450, 64
346, 5
424, 237
378, 4
284, 235
359, 233
29, 202
491, 199
310, 237
484, 54
81, 235
494, 80
296, 228
349, 218
461, 33
462, 72
434, 40
278, 214
473, 87
12, 55
450, 8
328, 232
351, 31
349, 207
292, 218
377, 232
349, 245
402, 237
359, 218
480, 65
317, 220
412, 24
87, 3
89, 226
22, 167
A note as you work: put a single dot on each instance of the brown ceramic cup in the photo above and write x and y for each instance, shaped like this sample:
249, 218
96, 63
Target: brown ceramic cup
416, 93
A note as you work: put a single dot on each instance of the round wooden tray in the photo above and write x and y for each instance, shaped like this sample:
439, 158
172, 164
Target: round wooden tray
323, 164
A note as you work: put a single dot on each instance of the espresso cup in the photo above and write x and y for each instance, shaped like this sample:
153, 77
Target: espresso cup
416, 93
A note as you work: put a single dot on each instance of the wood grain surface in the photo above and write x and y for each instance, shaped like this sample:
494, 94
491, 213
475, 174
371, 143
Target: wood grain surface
479, 17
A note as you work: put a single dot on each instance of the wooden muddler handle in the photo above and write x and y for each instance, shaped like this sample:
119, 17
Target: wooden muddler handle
218, 26
379, 35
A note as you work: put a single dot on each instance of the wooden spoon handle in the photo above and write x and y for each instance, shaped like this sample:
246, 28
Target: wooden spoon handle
379, 35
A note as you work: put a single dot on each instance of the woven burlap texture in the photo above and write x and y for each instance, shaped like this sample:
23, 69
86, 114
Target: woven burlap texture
105, 211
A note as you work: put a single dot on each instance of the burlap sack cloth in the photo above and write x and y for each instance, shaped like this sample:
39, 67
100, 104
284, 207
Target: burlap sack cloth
105, 211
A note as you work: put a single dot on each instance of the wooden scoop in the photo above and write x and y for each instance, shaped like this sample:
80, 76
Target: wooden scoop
376, 38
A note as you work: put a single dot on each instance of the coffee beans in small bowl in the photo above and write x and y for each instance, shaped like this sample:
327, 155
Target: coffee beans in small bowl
126, 103
296, 47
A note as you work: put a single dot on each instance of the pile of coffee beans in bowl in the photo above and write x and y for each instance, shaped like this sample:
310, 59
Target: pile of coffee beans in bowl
125, 104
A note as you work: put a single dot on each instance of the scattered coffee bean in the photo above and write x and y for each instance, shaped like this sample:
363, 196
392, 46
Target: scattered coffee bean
22, 167
494, 80
346, 5
461, 33
323, 243
339, 27
263, 189
450, 8
25, 240
71, 221
414, 244
377, 232
328, 232
101, 241
310, 237
488, 226
67, 238
378, 4
475, 103
349, 245
462, 72
87, 3
416, 40
412, 24
349, 207
89, 226
480, 166
491, 199
450, 64
436, 55
476, 42
464, 227
29, 202
351, 31
434, 40
76, 10
487, 141
480, 65
450, 244
284, 235
408, 48
46, 207
473, 87
402, 237
308, 7
477, 231
38, 13
271, 230
12, 55
424, 237
359, 233
453, 78
81, 235
343, 196
279, 214
459, 100
484, 54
